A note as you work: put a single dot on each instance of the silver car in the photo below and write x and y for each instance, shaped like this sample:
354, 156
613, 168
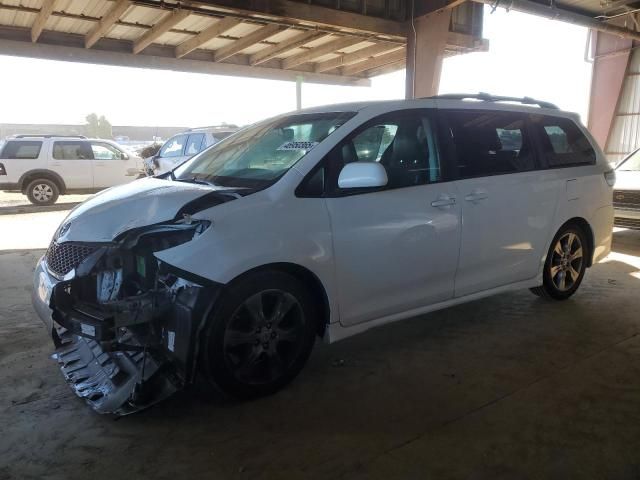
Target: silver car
185, 145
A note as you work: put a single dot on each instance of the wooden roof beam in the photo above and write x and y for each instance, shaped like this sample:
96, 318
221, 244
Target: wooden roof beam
106, 22
429, 7
317, 52
308, 12
357, 56
375, 62
284, 46
206, 35
163, 26
64, 47
391, 67
41, 19
245, 42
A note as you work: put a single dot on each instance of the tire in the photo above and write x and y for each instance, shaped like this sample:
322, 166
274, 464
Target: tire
565, 265
249, 349
42, 191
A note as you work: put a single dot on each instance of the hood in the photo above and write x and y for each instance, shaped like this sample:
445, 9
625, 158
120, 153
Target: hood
627, 180
147, 201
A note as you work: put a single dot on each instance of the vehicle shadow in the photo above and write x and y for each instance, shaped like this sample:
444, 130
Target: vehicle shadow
377, 391
626, 241
495, 383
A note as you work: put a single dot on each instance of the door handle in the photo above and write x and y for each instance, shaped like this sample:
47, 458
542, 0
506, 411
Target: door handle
476, 196
444, 201
56, 164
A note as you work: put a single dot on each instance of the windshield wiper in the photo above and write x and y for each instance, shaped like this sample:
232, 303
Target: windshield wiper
193, 180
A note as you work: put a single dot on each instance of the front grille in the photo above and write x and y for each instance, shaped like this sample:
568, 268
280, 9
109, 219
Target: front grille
621, 222
64, 257
626, 198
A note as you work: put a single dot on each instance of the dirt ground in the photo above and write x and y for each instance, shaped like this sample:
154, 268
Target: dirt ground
510, 387
16, 200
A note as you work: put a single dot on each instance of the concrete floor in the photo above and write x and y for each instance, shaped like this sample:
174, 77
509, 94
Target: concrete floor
503, 388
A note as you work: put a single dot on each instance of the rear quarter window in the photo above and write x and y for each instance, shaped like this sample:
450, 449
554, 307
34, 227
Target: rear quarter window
563, 142
21, 150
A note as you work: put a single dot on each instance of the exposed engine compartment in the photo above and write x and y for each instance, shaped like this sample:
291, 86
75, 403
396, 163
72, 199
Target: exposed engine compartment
126, 324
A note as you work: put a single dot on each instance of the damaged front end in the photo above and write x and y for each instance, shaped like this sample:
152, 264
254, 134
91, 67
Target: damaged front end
125, 324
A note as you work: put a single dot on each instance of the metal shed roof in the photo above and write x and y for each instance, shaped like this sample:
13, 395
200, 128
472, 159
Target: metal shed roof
279, 39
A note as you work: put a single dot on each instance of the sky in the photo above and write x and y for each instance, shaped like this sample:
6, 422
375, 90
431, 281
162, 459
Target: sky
520, 62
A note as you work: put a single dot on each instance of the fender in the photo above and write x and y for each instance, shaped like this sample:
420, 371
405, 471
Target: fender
44, 173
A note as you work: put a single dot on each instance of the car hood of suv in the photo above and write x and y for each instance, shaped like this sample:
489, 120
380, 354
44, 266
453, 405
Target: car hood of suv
104, 216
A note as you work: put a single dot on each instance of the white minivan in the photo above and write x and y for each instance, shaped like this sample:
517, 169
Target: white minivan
323, 222
45, 166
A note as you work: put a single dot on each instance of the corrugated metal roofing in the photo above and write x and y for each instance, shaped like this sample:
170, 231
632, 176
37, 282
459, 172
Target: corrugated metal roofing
74, 19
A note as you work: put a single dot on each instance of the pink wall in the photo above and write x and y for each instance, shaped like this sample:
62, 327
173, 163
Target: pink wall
611, 56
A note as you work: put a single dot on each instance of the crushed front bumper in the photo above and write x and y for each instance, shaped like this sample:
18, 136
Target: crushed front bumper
119, 382
118, 370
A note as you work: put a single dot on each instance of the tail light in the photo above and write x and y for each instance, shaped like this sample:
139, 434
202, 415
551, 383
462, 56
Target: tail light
610, 177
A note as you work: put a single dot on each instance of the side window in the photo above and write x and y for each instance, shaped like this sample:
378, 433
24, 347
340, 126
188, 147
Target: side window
221, 136
23, 150
72, 150
490, 143
403, 142
194, 144
563, 142
174, 146
373, 142
104, 151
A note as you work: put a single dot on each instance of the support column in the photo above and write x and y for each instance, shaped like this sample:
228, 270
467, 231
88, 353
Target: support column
299, 92
610, 59
427, 38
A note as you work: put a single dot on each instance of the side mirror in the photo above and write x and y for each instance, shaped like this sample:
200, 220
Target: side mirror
124, 156
362, 175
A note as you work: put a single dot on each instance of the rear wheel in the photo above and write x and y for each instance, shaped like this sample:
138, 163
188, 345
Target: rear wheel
565, 265
42, 191
260, 336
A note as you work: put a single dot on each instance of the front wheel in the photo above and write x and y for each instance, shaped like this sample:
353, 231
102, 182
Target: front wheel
565, 265
260, 335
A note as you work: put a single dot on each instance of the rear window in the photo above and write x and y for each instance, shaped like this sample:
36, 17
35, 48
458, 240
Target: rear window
22, 149
72, 150
491, 143
564, 143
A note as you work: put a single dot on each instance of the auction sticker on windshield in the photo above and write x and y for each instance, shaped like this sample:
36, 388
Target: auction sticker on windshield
297, 145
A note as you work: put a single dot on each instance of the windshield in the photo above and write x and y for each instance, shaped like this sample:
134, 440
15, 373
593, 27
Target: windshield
631, 164
257, 156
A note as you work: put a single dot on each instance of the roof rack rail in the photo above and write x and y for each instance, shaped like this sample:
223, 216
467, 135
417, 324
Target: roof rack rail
486, 97
46, 135
220, 127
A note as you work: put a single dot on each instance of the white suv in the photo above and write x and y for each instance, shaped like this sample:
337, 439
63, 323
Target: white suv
45, 166
324, 222
185, 145
626, 196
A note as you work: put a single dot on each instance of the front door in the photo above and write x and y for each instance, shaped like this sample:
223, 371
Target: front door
111, 166
72, 159
395, 248
508, 203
